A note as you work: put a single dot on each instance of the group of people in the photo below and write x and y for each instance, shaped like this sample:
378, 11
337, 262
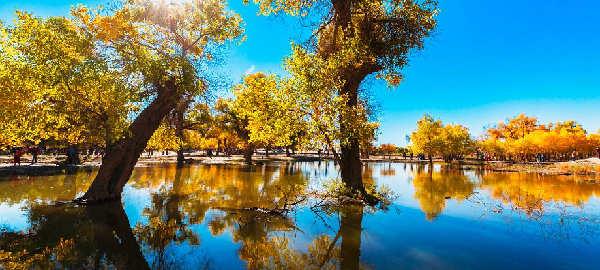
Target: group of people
19, 152
404, 155
486, 156
541, 157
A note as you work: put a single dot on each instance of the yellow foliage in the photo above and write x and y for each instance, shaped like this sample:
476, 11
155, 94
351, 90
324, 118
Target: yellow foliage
433, 188
163, 139
523, 136
80, 79
47, 259
432, 137
268, 110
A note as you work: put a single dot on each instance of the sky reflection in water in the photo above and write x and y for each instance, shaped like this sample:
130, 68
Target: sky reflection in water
187, 218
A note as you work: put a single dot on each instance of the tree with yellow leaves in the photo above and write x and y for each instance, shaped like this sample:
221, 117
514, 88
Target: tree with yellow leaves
329, 120
514, 128
69, 74
427, 138
270, 112
432, 137
523, 139
456, 142
54, 86
387, 149
229, 124
164, 138
157, 45
355, 39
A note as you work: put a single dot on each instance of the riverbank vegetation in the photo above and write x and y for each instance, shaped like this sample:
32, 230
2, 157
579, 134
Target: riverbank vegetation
130, 78
137, 78
518, 139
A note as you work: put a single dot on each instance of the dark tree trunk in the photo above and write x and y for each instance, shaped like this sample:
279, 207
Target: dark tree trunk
179, 122
351, 166
351, 229
175, 198
180, 158
103, 231
218, 147
267, 151
248, 153
119, 161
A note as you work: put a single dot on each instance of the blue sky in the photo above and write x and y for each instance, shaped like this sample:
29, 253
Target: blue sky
488, 60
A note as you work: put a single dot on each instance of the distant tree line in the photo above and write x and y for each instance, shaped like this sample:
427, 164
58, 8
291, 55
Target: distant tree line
521, 138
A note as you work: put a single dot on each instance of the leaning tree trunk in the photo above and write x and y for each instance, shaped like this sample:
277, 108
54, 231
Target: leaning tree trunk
119, 160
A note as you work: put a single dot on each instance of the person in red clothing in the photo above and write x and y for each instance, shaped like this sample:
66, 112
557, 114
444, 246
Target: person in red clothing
18, 154
598, 152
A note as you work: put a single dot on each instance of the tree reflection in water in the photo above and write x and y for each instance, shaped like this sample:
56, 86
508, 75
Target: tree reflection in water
277, 251
219, 198
553, 204
433, 188
75, 238
100, 236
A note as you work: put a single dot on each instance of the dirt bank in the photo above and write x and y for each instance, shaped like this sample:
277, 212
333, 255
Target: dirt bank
590, 166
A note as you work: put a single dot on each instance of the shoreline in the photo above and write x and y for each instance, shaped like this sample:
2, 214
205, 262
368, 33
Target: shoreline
50, 166
590, 166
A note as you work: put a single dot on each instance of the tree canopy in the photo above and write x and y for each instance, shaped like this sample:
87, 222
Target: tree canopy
56, 86
432, 138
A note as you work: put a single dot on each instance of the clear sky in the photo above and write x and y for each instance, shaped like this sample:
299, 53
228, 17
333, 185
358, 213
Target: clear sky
488, 60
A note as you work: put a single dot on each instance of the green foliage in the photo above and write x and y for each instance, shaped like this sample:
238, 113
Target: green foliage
335, 187
353, 40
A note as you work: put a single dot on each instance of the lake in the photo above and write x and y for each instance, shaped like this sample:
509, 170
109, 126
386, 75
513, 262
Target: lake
200, 217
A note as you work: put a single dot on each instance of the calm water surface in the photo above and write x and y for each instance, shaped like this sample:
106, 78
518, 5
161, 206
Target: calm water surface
189, 218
